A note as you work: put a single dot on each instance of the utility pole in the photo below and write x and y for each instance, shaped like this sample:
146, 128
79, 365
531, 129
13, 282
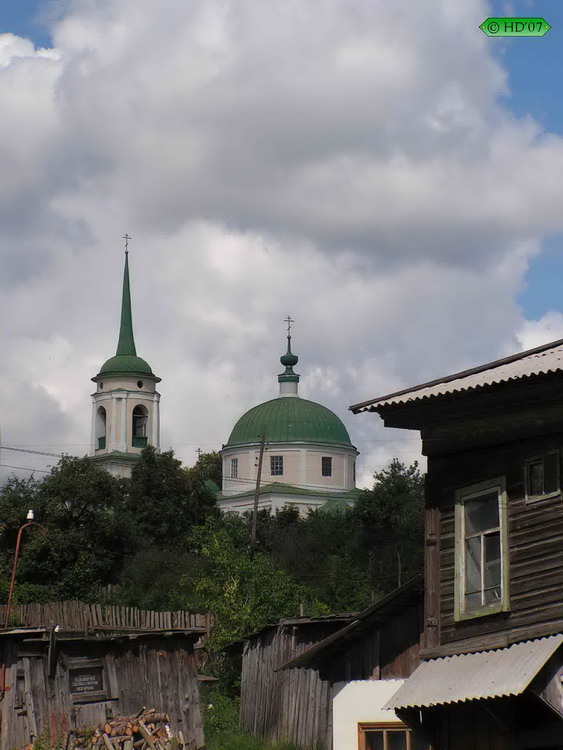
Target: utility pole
257, 491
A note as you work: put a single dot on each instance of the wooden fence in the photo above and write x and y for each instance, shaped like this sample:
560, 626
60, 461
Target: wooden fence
293, 704
76, 615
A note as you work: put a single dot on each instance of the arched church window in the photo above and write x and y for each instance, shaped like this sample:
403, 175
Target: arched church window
140, 423
101, 428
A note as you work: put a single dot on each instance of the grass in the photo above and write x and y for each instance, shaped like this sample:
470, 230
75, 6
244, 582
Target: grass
220, 719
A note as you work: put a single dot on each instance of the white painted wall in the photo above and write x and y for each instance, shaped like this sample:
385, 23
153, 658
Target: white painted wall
119, 396
358, 702
302, 466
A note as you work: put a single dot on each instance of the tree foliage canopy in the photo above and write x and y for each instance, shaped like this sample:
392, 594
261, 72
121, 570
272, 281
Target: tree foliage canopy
160, 541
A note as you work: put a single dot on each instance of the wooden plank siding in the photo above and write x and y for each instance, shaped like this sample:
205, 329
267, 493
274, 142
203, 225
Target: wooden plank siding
158, 673
292, 704
77, 615
535, 539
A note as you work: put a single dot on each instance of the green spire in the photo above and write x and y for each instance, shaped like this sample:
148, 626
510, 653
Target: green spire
288, 360
126, 343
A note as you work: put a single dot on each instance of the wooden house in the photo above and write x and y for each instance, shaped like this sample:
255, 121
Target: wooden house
70, 666
293, 704
490, 678
365, 662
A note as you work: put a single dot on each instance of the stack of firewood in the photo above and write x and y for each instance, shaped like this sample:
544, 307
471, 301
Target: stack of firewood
147, 730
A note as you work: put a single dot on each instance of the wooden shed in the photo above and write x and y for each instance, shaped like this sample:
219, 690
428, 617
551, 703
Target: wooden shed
292, 704
364, 663
70, 666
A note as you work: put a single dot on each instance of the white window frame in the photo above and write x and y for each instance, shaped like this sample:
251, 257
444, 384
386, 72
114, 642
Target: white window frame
273, 459
463, 495
534, 459
234, 468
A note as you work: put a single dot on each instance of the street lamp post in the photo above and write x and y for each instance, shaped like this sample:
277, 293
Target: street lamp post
30, 522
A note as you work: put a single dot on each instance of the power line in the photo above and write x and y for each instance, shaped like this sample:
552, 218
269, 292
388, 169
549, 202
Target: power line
27, 450
23, 468
200, 442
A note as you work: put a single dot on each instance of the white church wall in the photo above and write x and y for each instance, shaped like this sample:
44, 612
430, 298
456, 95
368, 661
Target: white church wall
358, 702
314, 469
115, 383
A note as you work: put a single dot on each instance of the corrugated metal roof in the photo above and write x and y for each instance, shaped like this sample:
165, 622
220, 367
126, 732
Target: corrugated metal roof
465, 677
538, 361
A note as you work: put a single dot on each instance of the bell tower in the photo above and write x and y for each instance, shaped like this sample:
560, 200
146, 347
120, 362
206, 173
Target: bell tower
126, 404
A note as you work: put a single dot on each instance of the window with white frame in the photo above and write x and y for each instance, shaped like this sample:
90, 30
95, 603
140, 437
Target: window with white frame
387, 737
276, 466
234, 468
542, 475
481, 549
326, 466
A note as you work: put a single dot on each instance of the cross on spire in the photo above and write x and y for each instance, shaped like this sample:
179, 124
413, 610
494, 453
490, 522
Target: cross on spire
289, 320
199, 452
126, 238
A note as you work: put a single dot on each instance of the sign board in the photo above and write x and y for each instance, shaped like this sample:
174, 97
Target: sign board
86, 680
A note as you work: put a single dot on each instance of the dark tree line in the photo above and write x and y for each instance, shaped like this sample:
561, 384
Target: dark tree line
159, 540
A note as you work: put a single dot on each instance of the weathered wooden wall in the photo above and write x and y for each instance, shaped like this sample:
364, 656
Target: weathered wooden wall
158, 673
293, 704
535, 530
381, 650
76, 615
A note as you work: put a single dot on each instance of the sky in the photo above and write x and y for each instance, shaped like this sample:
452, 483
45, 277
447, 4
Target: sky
383, 172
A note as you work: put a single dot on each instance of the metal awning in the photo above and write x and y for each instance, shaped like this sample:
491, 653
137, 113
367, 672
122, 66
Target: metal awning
466, 677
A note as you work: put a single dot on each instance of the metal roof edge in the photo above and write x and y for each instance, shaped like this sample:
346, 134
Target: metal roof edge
485, 675
357, 408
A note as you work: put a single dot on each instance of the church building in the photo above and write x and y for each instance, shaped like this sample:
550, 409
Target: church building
308, 460
125, 405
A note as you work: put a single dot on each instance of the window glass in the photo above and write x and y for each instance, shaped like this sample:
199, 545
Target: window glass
276, 466
326, 462
373, 739
473, 565
481, 513
397, 740
481, 551
234, 468
535, 477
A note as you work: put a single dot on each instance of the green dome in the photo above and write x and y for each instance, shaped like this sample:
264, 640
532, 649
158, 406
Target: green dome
125, 364
288, 420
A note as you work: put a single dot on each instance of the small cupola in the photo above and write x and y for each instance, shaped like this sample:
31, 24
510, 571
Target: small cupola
288, 379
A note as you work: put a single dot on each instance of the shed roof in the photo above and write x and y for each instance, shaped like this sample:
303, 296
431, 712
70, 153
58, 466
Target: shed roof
338, 617
98, 633
544, 359
377, 614
465, 677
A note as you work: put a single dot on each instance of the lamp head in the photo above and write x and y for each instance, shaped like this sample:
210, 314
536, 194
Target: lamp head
30, 515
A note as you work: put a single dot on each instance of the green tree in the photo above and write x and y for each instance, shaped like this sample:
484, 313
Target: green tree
243, 591
391, 516
166, 500
210, 466
81, 508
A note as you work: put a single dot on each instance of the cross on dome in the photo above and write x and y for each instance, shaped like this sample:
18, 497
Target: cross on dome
126, 238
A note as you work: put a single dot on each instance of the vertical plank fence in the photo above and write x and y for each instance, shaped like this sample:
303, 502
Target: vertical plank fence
77, 615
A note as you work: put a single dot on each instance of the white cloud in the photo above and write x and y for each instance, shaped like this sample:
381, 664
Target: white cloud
537, 332
267, 158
